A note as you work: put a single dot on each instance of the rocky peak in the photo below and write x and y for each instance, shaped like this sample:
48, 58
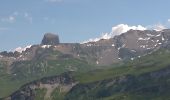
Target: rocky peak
50, 39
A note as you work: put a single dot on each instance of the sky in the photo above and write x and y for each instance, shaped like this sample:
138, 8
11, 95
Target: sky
24, 22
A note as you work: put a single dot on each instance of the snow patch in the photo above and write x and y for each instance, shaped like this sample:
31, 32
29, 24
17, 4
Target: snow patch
119, 58
46, 46
113, 45
20, 56
89, 45
132, 58
143, 46
163, 38
152, 40
150, 35
123, 45
118, 48
20, 49
144, 38
97, 62
156, 45
133, 50
158, 35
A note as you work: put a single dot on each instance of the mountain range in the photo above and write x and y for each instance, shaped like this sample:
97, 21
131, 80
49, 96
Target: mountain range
130, 66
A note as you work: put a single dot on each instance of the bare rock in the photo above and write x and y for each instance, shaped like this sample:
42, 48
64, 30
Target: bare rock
50, 39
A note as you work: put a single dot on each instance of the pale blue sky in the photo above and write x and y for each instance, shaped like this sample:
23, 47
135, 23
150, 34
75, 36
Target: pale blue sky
23, 22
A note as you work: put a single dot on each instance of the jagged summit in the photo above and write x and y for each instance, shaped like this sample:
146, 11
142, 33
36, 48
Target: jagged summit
50, 39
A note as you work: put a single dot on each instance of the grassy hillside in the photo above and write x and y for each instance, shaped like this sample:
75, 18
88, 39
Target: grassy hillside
152, 62
146, 78
46, 63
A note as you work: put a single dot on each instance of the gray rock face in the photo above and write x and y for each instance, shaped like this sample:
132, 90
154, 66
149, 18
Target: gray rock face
127, 46
50, 39
28, 91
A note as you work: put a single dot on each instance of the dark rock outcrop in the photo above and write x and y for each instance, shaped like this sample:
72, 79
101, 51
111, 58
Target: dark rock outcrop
10, 54
28, 91
50, 39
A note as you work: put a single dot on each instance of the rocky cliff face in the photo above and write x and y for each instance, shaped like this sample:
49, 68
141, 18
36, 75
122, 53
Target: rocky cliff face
127, 46
50, 39
64, 82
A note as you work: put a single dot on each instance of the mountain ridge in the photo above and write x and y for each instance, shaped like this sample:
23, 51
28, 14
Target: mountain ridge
104, 59
128, 45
